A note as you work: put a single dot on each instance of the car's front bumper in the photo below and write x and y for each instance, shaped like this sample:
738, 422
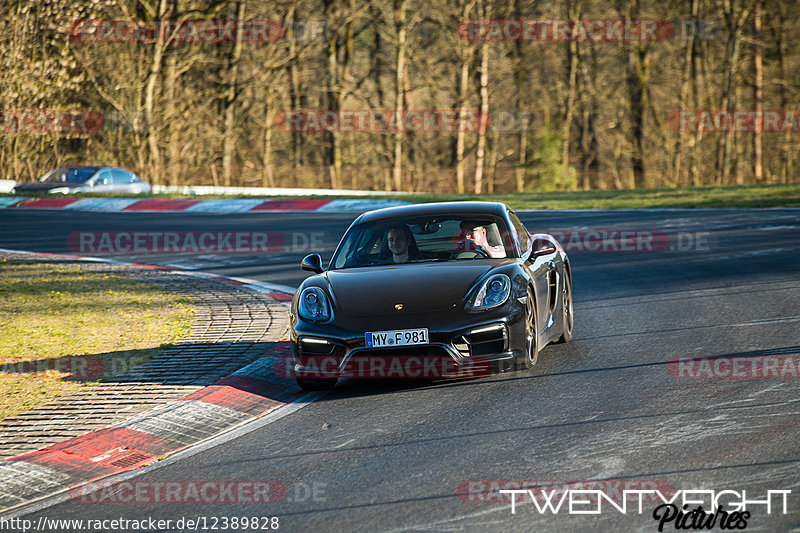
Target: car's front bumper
460, 344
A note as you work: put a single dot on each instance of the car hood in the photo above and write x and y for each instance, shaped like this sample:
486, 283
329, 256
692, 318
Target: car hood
418, 287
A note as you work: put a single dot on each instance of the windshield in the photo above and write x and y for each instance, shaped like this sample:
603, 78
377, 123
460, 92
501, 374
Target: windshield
68, 175
424, 239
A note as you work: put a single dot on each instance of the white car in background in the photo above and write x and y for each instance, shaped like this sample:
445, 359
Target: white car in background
67, 180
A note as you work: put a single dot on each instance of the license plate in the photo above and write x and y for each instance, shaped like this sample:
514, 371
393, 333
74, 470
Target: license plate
399, 337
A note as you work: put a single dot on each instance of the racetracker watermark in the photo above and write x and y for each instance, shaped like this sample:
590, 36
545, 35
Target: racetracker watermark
632, 240
380, 367
194, 242
410, 121
42, 121
145, 523
732, 367
379, 121
584, 30
746, 121
77, 367
177, 31
139, 492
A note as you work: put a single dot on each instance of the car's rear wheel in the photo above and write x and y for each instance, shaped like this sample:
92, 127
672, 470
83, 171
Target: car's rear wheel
568, 320
531, 338
314, 384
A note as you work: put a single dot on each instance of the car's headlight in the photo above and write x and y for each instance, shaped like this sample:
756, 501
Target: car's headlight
59, 190
313, 305
493, 292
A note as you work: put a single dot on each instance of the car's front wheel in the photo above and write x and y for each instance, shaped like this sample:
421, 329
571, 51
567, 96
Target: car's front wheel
531, 338
308, 384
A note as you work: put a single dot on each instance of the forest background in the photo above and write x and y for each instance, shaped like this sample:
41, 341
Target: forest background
271, 93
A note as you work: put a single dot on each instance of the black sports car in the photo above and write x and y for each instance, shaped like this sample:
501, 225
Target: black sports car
429, 291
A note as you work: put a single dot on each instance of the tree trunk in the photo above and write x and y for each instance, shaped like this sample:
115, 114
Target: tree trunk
267, 178
695, 178
726, 144
400, 12
480, 151
383, 178
229, 102
150, 96
758, 83
171, 115
637, 78
785, 168
573, 12
683, 98
588, 135
334, 105
348, 57
520, 85
463, 84
334, 96
466, 50
295, 92
493, 143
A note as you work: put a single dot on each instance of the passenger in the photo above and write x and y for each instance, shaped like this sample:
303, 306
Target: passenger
474, 237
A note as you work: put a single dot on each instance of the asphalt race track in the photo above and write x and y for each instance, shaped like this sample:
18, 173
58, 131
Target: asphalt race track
682, 375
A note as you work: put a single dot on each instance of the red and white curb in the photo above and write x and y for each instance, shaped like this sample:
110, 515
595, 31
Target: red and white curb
248, 394
181, 205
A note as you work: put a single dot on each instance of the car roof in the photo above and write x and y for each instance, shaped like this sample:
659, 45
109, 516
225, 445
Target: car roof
79, 167
438, 208
95, 168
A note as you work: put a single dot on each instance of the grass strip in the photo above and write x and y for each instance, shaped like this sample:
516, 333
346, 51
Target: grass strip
64, 328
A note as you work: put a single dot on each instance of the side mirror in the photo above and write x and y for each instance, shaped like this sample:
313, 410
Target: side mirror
313, 263
543, 245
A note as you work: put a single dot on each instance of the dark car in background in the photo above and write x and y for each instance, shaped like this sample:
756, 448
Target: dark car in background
472, 285
68, 180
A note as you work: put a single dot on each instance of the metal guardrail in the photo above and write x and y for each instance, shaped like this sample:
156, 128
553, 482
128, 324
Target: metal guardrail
202, 190
205, 190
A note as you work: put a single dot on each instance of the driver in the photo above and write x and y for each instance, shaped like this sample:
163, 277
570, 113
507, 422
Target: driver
473, 236
401, 243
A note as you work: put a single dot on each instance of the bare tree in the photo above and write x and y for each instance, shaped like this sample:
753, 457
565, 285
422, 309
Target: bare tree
484, 111
735, 23
400, 26
758, 96
465, 51
637, 79
229, 98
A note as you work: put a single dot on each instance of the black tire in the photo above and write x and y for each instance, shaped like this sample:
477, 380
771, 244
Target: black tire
315, 384
568, 318
531, 334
